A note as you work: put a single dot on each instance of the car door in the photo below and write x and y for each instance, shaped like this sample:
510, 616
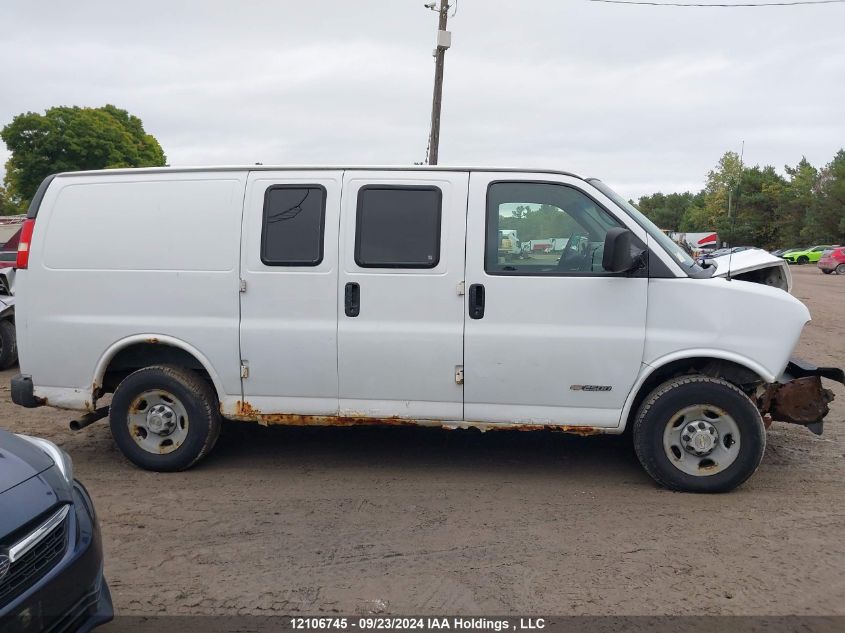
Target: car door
550, 337
289, 271
400, 303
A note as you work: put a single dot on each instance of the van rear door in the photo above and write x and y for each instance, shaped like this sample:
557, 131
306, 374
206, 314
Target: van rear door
289, 306
400, 311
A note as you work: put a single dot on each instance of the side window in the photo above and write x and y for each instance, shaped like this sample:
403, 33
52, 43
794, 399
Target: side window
292, 225
398, 227
536, 228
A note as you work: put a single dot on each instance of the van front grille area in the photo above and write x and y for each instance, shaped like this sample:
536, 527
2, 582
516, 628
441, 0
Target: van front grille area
30, 567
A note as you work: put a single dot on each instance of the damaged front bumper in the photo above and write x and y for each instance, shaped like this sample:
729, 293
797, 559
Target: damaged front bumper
799, 397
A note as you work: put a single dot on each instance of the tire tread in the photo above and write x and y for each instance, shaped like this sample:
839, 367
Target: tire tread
206, 398
641, 439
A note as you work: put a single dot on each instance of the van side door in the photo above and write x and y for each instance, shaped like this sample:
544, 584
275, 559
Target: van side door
400, 311
289, 272
551, 338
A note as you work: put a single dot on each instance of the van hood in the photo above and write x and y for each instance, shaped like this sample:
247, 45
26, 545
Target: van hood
755, 265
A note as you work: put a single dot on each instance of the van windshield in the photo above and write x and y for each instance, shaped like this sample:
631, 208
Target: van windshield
679, 254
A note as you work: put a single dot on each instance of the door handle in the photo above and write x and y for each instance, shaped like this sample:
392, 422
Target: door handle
476, 301
352, 299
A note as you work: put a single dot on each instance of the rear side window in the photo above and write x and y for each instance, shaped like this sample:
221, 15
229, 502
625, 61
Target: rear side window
398, 227
292, 230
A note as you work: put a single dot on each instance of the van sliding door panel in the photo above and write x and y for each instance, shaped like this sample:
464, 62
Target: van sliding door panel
400, 313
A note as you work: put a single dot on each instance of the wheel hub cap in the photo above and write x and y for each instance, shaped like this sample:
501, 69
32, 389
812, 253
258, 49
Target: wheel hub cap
699, 438
161, 419
158, 421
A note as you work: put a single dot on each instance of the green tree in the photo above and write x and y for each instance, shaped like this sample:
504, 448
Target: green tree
7, 207
767, 210
537, 223
667, 211
825, 221
696, 219
799, 197
720, 187
755, 206
70, 139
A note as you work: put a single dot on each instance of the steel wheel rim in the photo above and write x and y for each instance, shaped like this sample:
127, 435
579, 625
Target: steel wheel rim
840, 270
158, 421
687, 436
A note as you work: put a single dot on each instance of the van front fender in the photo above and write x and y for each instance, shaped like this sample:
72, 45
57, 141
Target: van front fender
647, 370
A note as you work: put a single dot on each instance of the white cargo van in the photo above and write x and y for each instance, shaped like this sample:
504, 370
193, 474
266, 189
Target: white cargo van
344, 296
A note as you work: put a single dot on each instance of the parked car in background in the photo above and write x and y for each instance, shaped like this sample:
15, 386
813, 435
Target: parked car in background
833, 260
9, 250
809, 255
51, 557
722, 252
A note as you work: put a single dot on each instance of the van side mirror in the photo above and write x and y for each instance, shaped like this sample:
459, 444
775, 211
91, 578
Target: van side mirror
618, 256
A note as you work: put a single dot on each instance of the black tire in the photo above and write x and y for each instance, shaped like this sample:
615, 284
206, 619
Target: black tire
195, 396
8, 344
672, 397
803, 260
825, 271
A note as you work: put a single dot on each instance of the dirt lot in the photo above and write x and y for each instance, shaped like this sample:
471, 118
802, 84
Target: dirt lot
282, 520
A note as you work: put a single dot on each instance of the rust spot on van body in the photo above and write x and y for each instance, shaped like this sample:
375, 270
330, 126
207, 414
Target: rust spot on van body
799, 401
152, 340
246, 412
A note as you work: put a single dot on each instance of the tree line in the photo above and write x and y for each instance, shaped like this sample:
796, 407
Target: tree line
805, 206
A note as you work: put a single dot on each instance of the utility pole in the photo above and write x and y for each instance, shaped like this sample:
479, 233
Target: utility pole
444, 41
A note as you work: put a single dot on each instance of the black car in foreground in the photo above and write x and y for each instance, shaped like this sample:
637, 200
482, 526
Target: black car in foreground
51, 555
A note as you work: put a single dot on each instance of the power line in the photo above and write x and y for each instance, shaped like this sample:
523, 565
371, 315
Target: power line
720, 6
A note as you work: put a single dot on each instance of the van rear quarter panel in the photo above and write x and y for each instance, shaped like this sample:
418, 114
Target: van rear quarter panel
116, 256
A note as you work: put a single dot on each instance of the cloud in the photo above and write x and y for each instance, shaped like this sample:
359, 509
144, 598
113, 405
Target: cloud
646, 98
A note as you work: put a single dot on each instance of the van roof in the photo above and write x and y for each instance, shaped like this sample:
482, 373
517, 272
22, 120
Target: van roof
255, 167
35, 203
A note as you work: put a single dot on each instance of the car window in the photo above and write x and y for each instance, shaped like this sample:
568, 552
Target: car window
536, 228
398, 227
292, 228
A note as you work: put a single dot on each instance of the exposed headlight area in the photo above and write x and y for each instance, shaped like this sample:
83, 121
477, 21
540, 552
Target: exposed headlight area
60, 458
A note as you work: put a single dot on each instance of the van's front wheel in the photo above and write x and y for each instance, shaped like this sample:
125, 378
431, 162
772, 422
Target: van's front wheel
699, 434
164, 418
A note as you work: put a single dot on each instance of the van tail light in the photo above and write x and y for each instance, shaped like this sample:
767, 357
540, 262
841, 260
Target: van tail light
22, 261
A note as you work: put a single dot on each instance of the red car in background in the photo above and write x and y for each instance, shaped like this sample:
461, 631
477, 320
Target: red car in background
833, 259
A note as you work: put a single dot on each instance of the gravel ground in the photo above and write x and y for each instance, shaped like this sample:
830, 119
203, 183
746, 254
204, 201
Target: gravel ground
422, 521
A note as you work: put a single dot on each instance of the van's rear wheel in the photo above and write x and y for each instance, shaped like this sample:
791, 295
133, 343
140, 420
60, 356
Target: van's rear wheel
164, 418
699, 434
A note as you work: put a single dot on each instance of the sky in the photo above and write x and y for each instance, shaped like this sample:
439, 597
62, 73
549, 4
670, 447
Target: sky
646, 98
